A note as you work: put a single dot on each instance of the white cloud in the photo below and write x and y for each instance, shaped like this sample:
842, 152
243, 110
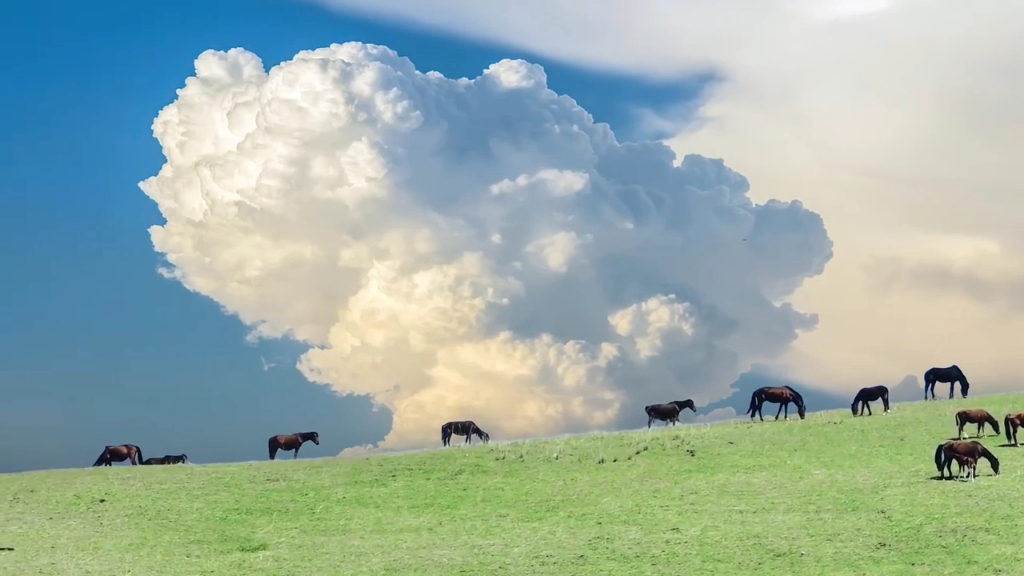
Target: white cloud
346, 200
897, 120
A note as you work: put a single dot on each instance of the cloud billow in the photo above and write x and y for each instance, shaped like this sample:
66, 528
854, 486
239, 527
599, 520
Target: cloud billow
470, 249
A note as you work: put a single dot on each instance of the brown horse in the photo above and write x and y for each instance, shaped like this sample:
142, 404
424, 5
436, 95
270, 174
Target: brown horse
465, 428
1011, 422
782, 395
951, 374
866, 395
979, 417
944, 455
668, 412
288, 442
967, 466
111, 454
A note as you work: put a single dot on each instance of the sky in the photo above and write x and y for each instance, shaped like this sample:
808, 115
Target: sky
447, 250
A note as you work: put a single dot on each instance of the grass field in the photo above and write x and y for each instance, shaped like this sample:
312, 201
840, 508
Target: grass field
829, 495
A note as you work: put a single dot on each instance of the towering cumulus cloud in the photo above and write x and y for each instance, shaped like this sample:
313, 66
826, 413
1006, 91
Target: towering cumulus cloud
470, 249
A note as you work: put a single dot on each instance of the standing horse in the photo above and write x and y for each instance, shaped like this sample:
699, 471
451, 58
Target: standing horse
288, 442
979, 417
1011, 422
944, 456
950, 374
781, 395
668, 412
465, 428
111, 454
967, 466
871, 394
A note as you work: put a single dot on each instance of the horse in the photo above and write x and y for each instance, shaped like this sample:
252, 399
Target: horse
288, 442
944, 455
967, 465
1011, 422
979, 417
111, 454
950, 374
167, 459
668, 412
465, 428
781, 395
866, 395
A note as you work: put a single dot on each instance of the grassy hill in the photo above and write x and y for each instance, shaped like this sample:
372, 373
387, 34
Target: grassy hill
829, 495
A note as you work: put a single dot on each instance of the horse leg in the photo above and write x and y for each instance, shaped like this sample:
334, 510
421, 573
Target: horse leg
649, 420
981, 429
781, 405
866, 405
760, 410
951, 389
296, 454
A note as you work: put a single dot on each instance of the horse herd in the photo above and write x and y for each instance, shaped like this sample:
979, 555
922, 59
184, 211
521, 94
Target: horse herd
964, 453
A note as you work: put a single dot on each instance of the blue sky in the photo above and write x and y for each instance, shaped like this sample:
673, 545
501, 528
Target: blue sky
95, 347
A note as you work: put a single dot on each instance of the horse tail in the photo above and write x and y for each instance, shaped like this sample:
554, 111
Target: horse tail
939, 457
956, 419
1006, 428
138, 453
753, 402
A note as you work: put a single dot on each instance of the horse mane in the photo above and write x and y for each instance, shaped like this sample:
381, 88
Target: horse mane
795, 393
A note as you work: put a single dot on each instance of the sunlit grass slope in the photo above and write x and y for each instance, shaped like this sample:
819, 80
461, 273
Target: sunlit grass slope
829, 495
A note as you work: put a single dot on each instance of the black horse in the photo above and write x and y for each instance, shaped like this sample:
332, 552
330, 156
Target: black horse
870, 394
465, 428
782, 395
288, 442
166, 459
668, 412
950, 374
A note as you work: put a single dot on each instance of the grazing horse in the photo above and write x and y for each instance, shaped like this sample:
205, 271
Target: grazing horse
288, 442
668, 412
781, 395
949, 374
979, 417
1011, 422
944, 456
866, 395
465, 428
111, 454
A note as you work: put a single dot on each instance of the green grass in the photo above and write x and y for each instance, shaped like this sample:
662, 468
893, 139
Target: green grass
829, 495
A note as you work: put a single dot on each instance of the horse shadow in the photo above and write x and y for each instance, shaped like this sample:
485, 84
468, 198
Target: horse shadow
1007, 445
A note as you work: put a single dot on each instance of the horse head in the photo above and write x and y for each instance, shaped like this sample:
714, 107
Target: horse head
853, 407
485, 436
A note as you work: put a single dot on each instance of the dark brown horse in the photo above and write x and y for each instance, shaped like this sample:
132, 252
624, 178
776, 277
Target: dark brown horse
949, 374
967, 466
668, 412
979, 417
782, 395
974, 449
866, 395
288, 442
1011, 422
465, 428
166, 460
111, 454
